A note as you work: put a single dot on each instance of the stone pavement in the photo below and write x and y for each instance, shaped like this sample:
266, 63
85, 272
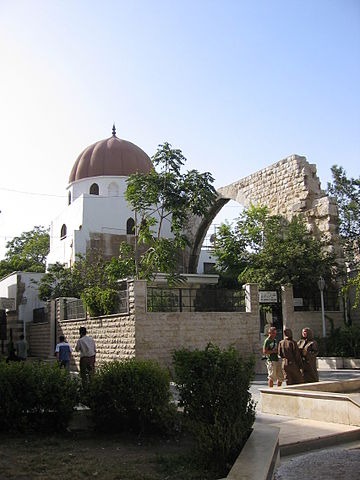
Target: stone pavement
335, 448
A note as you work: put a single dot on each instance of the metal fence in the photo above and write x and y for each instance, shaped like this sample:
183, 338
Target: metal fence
205, 299
74, 309
311, 301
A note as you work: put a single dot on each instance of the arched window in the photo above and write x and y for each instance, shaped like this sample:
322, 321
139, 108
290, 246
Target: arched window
63, 232
113, 190
69, 198
130, 226
94, 189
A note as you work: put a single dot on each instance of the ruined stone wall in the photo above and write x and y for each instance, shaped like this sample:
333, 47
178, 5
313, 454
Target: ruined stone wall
288, 187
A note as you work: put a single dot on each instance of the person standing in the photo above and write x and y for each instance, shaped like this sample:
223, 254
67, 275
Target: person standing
290, 353
309, 350
63, 353
87, 348
21, 348
273, 363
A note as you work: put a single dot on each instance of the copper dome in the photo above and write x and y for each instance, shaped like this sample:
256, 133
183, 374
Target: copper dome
110, 157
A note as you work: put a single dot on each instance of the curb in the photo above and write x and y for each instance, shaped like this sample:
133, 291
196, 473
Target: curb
319, 443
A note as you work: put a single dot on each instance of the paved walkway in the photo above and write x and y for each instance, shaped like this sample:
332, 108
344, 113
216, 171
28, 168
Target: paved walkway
335, 448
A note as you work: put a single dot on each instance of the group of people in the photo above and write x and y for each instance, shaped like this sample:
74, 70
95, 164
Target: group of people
87, 349
294, 362
18, 351
85, 345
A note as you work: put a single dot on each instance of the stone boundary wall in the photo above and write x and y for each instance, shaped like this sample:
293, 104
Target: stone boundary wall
114, 336
301, 319
39, 339
158, 335
155, 335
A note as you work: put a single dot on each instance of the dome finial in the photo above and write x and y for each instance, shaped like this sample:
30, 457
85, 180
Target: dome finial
114, 130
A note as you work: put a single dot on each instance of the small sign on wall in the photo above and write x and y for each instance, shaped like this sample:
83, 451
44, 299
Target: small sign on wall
298, 302
268, 296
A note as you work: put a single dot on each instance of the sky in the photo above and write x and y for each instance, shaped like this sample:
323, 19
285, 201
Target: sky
237, 85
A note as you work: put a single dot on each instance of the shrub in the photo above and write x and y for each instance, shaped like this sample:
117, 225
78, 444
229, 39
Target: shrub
342, 342
214, 391
35, 396
100, 300
131, 395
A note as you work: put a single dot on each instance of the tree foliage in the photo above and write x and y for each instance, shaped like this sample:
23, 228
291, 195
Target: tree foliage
26, 252
346, 191
91, 278
164, 200
268, 250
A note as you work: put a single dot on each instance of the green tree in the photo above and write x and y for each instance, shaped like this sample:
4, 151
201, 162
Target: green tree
270, 251
60, 281
165, 196
27, 252
346, 191
91, 278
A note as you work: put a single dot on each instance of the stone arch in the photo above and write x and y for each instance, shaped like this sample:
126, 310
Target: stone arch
288, 187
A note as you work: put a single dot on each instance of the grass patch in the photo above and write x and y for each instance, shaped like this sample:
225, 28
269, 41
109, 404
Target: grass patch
84, 455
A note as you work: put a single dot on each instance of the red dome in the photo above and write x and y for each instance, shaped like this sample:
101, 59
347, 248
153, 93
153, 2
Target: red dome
110, 157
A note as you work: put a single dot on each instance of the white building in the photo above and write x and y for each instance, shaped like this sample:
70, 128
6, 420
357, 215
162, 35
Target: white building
20, 297
97, 214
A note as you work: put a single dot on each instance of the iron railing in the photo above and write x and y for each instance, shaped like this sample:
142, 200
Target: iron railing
205, 299
311, 301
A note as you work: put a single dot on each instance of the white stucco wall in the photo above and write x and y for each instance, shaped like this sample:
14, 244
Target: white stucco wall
23, 288
107, 212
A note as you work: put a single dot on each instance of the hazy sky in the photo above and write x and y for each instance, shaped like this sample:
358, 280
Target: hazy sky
236, 85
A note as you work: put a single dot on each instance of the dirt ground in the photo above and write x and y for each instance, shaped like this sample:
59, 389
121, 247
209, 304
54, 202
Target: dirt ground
78, 456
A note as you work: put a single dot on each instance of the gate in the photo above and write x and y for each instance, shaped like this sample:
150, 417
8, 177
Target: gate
271, 311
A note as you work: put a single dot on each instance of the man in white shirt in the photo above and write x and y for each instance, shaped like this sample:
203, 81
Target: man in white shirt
87, 348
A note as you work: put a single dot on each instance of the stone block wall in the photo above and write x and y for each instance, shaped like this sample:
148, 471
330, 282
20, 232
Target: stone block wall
313, 320
159, 334
39, 336
155, 335
114, 336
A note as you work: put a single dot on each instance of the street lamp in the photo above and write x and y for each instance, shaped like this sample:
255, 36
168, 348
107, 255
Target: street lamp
321, 285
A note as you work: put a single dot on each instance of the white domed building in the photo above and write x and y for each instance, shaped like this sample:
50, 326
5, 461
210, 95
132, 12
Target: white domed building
97, 215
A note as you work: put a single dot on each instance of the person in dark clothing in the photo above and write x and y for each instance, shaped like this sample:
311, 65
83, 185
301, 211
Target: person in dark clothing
309, 350
292, 363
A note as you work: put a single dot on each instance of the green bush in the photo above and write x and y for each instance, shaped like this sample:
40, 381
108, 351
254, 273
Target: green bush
214, 391
342, 342
100, 301
35, 396
131, 395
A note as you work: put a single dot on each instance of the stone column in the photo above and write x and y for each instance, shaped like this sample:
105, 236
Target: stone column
287, 305
138, 296
252, 298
